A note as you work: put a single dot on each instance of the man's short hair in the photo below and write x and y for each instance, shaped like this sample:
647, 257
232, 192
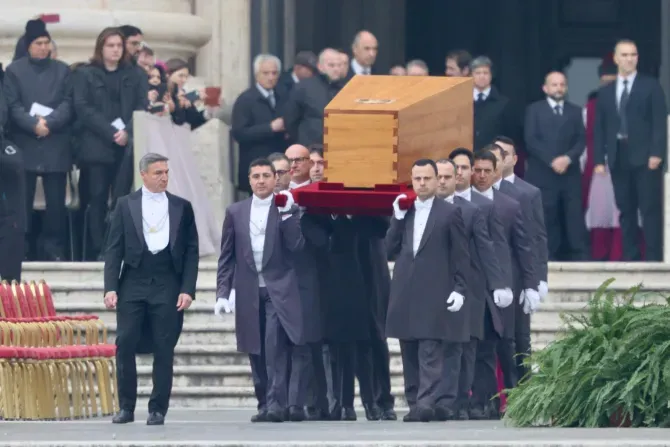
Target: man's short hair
425, 162
495, 148
316, 149
486, 155
276, 156
481, 61
446, 161
149, 159
130, 31
506, 140
463, 151
262, 162
461, 57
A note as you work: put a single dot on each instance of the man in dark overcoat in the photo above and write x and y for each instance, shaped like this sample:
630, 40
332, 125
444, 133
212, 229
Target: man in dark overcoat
257, 246
428, 288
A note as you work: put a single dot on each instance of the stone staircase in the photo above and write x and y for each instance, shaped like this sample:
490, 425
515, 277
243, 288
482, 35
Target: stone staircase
209, 372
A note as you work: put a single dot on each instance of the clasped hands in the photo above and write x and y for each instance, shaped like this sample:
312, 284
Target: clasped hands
41, 128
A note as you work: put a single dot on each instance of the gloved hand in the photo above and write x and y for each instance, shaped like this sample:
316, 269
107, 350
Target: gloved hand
530, 300
503, 297
543, 290
456, 300
227, 305
289, 202
397, 212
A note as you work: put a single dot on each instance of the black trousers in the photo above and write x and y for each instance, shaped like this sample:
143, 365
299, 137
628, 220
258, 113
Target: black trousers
308, 384
277, 356
451, 372
375, 356
99, 181
422, 362
564, 219
343, 367
521, 340
259, 373
139, 297
55, 215
12, 243
467, 374
638, 188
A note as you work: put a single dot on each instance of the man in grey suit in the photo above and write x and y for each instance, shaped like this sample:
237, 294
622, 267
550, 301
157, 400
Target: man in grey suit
428, 288
525, 290
530, 198
257, 246
486, 282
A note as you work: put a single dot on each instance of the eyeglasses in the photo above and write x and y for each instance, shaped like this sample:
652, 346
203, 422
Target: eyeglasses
281, 172
298, 159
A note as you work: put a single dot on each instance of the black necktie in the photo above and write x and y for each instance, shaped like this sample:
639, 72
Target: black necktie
557, 110
623, 102
480, 97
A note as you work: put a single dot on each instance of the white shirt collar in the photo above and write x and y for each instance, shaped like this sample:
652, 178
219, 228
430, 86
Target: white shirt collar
496, 185
358, 68
295, 78
153, 195
263, 91
485, 92
262, 203
294, 185
553, 103
466, 194
425, 204
630, 78
488, 193
510, 178
450, 198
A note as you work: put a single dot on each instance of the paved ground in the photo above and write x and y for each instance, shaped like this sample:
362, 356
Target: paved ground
232, 428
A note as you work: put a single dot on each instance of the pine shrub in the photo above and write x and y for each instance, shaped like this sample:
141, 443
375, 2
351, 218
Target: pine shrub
610, 367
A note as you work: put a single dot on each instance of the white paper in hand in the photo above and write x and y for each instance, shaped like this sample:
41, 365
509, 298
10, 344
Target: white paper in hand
38, 109
118, 124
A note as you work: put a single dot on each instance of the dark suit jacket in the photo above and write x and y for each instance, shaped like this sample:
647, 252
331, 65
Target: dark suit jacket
421, 284
549, 136
532, 195
647, 117
495, 116
237, 270
252, 114
125, 241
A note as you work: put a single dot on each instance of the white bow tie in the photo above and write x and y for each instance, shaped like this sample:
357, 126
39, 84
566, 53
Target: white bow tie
153, 195
421, 205
450, 199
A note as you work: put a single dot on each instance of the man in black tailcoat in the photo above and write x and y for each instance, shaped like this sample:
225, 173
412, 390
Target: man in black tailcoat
151, 269
428, 288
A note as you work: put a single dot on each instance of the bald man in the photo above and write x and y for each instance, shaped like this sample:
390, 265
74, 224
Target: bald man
303, 113
364, 49
555, 139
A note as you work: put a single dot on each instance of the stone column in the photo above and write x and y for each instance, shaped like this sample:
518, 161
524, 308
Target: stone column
224, 61
168, 25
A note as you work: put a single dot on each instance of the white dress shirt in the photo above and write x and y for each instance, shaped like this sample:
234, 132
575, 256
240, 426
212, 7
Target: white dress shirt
258, 222
155, 220
294, 185
510, 178
553, 103
485, 94
496, 185
421, 212
619, 85
488, 193
466, 194
450, 198
359, 69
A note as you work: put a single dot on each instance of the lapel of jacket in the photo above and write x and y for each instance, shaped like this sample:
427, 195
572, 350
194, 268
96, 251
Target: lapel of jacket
270, 233
175, 212
135, 205
245, 216
409, 229
430, 223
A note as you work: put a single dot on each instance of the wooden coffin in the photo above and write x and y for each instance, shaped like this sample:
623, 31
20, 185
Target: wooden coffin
377, 126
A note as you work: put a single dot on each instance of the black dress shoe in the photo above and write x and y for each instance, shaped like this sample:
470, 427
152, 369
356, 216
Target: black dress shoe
123, 417
372, 412
336, 413
478, 414
155, 418
389, 415
261, 416
275, 416
444, 414
349, 414
412, 416
296, 414
426, 414
314, 414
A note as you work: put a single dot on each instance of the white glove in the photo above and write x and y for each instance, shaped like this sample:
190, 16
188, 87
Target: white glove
456, 300
225, 305
397, 212
289, 201
503, 297
530, 300
543, 290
